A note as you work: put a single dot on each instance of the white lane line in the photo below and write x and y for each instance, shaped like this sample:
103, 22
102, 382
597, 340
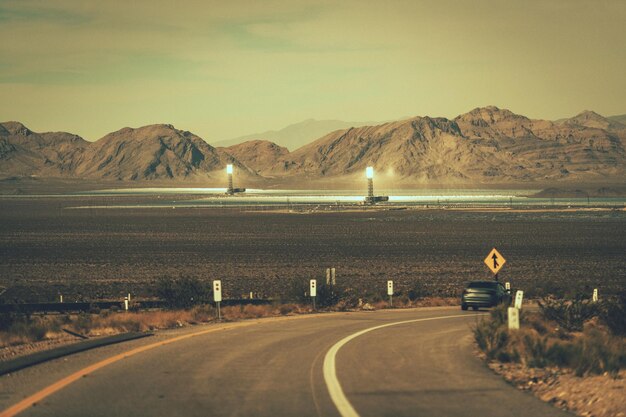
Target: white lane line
330, 371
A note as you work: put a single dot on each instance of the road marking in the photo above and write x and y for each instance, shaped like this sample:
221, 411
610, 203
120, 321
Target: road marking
330, 371
51, 389
62, 383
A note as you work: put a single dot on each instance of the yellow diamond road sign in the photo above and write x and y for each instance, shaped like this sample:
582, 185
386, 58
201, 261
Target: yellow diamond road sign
495, 261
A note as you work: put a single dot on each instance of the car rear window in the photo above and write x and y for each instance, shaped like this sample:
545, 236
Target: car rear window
482, 285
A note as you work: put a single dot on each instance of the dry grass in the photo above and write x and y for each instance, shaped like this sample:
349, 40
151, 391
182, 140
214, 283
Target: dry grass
22, 329
106, 324
34, 329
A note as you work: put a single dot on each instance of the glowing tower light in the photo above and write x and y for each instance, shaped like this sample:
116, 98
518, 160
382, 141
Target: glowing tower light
229, 171
371, 199
232, 190
369, 174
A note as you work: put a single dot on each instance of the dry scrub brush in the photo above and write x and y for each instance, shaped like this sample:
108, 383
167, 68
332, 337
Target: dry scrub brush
543, 341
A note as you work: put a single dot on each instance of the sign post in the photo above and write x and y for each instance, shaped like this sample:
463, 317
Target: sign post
513, 314
519, 296
594, 298
313, 290
390, 292
495, 261
331, 277
217, 296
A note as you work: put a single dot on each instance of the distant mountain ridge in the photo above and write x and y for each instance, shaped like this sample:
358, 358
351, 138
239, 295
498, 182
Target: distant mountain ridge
485, 145
295, 135
621, 118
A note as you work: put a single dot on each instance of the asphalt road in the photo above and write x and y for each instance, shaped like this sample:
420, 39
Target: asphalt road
422, 367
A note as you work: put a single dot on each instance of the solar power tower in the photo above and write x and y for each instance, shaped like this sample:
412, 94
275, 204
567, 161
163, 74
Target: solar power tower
371, 198
232, 190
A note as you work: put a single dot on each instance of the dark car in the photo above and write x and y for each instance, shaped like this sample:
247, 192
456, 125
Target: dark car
484, 294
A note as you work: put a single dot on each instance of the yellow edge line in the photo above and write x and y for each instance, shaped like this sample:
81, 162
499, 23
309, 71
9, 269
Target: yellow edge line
62, 383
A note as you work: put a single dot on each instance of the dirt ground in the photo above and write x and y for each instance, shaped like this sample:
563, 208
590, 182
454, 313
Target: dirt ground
589, 396
47, 249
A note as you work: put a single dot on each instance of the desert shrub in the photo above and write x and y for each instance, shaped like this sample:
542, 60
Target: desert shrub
499, 315
21, 328
569, 314
598, 352
203, 313
535, 349
595, 350
613, 314
491, 334
83, 323
184, 292
327, 295
285, 309
29, 329
535, 321
7, 320
562, 354
490, 337
418, 290
256, 311
298, 292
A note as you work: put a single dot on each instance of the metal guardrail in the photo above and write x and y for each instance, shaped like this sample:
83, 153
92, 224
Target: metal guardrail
85, 307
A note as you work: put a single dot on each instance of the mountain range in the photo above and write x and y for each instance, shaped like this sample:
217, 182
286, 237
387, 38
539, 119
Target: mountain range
297, 134
487, 145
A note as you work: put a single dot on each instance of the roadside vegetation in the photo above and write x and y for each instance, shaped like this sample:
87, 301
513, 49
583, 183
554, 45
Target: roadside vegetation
578, 334
188, 302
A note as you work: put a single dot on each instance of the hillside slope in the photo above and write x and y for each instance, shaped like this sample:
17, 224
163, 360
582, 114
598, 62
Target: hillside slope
486, 145
24, 152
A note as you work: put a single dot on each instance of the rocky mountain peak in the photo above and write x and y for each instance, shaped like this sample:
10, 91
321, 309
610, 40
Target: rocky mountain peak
489, 115
591, 119
16, 128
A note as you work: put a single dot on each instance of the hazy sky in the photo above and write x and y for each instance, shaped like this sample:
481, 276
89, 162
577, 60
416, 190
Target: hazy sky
226, 68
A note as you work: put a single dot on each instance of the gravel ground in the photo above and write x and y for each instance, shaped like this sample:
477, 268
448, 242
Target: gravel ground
47, 248
589, 396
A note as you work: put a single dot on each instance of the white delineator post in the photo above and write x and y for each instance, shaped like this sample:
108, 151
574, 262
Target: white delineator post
594, 297
128, 297
507, 286
513, 314
217, 296
327, 276
313, 290
519, 296
125, 303
333, 276
61, 298
390, 292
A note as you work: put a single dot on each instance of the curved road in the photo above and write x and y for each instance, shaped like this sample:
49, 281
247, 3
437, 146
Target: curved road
385, 363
